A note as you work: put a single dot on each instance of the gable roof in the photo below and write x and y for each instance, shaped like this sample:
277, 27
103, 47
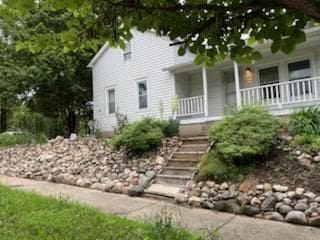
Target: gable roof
99, 54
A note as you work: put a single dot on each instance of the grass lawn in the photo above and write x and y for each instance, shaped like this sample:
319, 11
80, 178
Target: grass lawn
27, 216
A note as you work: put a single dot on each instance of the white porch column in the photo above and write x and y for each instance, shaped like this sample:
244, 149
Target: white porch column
237, 83
205, 90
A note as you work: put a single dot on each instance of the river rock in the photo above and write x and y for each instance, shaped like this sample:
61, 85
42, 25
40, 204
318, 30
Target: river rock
301, 206
268, 204
250, 210
314, 221
230, 206
284, 209
296, 217
279, 188
194, 201
273, 216
135, 191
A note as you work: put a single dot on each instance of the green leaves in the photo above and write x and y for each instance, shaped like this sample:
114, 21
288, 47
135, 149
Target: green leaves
213, 34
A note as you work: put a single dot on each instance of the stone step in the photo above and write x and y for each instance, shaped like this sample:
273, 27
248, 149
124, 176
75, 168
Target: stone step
173, 180
162, 191
183, 162
188, 155
186, 171
193, 147
195, 140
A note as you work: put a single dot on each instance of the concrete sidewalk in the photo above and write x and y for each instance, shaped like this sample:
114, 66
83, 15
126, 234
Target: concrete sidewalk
230, 227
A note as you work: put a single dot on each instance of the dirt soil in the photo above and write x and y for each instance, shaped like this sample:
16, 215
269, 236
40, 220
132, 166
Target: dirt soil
278, 168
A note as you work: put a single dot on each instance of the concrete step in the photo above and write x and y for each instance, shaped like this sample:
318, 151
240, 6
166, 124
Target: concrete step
162, 191
188, 155
202, 147
195, 140
186, 171
183, 162
173, 180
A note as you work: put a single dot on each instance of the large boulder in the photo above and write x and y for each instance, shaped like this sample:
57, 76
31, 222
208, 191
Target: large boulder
230, 206
135, 191
296, 217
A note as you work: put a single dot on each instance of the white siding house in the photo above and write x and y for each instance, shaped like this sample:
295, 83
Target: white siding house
149, 73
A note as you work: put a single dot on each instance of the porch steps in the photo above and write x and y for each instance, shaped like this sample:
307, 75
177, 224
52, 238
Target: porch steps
180, 168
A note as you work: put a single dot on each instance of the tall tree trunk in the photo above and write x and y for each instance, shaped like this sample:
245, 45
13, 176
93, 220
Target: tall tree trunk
3, 116
65, 122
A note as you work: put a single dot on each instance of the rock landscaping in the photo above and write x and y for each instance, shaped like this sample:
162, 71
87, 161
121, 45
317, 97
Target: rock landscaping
289, 191
272, 202
86, 162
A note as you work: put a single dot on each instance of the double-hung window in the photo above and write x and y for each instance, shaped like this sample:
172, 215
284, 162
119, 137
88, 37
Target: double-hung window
300, 70
127, 53
142, 94
111, 96
268, 76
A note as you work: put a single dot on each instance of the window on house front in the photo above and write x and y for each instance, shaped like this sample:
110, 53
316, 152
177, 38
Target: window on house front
111, 101
300, 70
142, 94
267, 76
127, 54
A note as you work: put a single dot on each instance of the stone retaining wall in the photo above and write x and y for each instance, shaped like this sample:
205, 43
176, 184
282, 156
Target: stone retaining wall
272, 202
87, 162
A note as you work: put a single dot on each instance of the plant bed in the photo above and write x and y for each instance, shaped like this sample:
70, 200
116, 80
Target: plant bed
282, 167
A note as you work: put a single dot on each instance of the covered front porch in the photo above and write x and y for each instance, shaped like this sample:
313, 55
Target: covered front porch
208, 94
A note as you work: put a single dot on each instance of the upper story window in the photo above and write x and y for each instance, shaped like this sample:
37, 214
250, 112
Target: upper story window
111, 96
127, 53
142, 94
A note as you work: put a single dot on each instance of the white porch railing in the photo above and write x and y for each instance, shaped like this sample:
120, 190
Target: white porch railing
278, 94
190, 106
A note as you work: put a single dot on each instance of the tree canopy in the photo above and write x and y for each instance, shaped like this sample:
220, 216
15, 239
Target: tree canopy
51, 81
211, 29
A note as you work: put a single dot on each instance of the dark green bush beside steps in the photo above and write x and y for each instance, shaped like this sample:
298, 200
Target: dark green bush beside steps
145, 134
240, 138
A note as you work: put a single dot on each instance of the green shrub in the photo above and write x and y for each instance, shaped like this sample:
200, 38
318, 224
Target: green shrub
139, 136
309, 143
241, 138
171, 127
21, 138
212, 167
244, 135
303, 139
306, 122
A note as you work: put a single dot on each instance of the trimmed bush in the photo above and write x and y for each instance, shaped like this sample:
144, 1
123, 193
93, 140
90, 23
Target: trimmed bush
245, 134
306, 122
139, 136
241, 138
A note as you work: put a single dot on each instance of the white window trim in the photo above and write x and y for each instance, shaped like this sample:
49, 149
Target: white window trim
107, 89
136, 82
123, 52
